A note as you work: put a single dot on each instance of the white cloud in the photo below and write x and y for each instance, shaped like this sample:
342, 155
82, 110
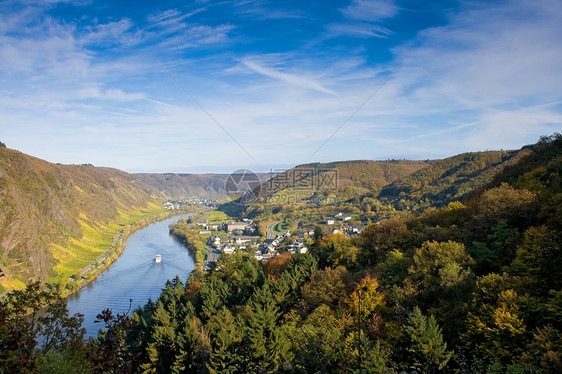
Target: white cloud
358, 30
118, 33
478, 81
506, 129
292, 79
109, 94
504, 55
171, 18
370, 10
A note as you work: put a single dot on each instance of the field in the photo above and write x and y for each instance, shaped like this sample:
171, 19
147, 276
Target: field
217, 216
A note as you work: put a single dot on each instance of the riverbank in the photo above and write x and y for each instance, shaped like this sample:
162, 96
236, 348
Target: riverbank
134, 275
192, 240
102, 247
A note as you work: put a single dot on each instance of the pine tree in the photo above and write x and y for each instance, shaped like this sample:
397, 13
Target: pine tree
426, 340
193, 347
267, 344
225, 339
161, 349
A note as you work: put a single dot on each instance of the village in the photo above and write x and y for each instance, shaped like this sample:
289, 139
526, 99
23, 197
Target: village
228, 237
184, 203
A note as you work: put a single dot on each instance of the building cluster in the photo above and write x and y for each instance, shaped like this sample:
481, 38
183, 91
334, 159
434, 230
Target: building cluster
240, 236
338, 217
184, 203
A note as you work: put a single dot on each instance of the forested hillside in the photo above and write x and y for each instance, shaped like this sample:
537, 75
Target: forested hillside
447, 180
346, 178
46, 209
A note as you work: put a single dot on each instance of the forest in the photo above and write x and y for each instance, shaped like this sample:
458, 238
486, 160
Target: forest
469, 287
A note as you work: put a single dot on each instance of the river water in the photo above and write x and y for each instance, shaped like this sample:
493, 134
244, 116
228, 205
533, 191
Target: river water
135, 275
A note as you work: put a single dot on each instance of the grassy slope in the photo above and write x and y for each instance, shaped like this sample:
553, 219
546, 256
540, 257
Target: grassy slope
56, 218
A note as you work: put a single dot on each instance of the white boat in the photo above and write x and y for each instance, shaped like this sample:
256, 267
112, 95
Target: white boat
158, 259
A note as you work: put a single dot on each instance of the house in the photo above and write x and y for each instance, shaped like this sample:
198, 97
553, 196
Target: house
241, 241
212, 226
204, 232
346, 218
232, 226
330, 221
303, 250
227, 248
215, 241
339, 214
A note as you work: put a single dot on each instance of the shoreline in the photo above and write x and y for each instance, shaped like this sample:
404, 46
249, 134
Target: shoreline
111, 257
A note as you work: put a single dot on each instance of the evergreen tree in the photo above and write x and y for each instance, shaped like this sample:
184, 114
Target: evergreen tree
267, 344
426, 341
225, 337
162, 348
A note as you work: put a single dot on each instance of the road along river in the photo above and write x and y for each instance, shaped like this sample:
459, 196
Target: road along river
135, 275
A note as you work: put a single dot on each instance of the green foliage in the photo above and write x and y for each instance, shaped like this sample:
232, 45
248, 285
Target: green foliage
394, 269
326, 287
23, 319
441, 267
426, 341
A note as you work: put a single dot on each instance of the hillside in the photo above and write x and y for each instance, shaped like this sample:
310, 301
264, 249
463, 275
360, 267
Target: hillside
175, 186
447, 180
345, 178
56, 218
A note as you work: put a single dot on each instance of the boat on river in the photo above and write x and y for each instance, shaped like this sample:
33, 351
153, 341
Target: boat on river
158, 259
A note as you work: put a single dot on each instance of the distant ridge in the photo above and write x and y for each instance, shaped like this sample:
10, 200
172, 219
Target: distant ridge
183, 185
176, 186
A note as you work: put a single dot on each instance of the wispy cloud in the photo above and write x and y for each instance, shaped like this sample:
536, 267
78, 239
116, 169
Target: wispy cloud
198, 35
358, 30
291, 79
109, 94
370, 10
118, 33
170, 17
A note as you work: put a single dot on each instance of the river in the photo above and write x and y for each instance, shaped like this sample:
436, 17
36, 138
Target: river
135, 275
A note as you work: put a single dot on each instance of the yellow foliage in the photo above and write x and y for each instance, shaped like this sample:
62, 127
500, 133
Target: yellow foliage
366, 298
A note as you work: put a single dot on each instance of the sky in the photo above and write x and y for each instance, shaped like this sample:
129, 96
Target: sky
215, 86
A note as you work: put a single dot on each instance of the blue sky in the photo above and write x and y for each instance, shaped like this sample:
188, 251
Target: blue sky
213, 86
